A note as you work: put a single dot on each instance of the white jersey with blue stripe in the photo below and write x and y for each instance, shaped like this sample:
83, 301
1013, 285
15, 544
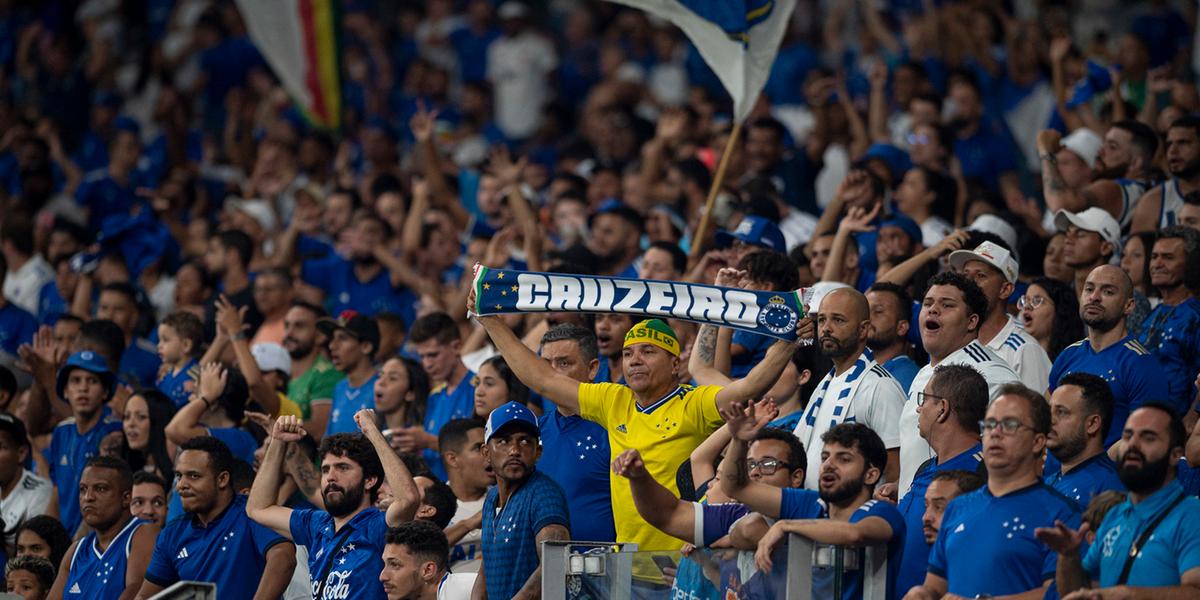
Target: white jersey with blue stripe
1172, 203
1131, 191
914, 450
1024, 354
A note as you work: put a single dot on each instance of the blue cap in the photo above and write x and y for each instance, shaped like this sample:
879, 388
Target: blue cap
897, 160
512, 414
756, 231
88, 361
124, 123
906, 225
612, 206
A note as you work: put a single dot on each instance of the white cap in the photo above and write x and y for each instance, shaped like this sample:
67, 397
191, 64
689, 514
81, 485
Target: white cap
272, 357
1085, 144
257, 209
512, 10
1093, 219
996, 226
990, 253
818, 292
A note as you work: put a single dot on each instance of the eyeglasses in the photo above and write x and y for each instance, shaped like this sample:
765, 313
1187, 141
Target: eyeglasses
767, 466
922, 397
1027, 301
1009, 426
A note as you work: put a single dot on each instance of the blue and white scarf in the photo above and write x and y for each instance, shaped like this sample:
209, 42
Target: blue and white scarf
774, 314
841, 407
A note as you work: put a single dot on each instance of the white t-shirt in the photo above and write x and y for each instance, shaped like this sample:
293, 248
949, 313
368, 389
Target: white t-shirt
518, 67
456, 586
24, 285
467, 555
914, 450
1026, 357
933, 230
865, 393
29, 498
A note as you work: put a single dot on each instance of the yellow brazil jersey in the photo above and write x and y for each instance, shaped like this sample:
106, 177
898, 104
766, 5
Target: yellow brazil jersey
665, 433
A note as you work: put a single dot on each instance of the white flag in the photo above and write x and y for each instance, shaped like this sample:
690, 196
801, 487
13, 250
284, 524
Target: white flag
737, 38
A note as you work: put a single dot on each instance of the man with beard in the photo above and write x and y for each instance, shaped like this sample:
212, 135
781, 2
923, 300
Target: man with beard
1092, 238
993, 268
1080, 416
891, 319
1123, 172
86, 384
1133, 374
616, 231
841, 513
109, 562
1172, 330
857, 389
1160, 206
360, 281
313, 375
950, 316
610, 329
946, 486
949, 410
353, 339
345, 541
1150, 543
228, 258
524, 509
997, 522
437, 340
214, 540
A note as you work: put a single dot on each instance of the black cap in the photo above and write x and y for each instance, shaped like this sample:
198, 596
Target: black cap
362, 327
15, 428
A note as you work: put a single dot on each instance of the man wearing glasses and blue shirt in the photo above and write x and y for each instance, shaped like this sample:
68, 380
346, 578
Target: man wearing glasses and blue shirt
998, 520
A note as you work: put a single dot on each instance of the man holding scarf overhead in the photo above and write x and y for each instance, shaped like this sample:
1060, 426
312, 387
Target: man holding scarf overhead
653, 412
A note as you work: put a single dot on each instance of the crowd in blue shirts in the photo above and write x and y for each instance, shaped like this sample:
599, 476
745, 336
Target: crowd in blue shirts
233, 346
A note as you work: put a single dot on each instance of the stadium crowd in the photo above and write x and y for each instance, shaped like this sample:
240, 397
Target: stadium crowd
235, 347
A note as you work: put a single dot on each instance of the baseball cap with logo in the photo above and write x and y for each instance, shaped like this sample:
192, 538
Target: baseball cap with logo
1092, 219
272, 357
755, 231
361, 327
88, 361
508, 416
990, 253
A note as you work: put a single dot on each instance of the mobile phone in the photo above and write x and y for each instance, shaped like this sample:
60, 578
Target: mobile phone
663, 562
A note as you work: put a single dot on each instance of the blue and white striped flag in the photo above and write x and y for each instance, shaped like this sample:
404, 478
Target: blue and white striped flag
737, 38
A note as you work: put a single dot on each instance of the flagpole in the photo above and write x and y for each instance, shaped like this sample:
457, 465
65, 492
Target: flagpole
718, 178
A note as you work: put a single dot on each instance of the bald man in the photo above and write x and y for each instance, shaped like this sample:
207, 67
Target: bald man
857, 389
1109, 352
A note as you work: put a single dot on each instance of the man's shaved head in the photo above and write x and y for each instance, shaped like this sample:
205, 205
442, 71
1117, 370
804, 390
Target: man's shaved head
1117, 275
849, 301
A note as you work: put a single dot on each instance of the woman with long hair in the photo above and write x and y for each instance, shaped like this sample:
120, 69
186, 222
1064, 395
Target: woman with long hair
1135, 261
1050, 313
43, 536
495, 385
401, 393
146, 416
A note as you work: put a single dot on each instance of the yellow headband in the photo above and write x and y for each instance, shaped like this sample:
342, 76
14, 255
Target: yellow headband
655, 332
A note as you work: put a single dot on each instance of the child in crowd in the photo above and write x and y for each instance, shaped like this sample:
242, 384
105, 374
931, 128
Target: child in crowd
180, 339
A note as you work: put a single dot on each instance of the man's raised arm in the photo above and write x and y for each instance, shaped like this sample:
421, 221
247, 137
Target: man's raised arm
529, 367
262, 505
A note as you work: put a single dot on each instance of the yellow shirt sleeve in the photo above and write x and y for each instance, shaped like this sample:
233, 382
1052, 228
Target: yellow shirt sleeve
702, 408
599, 401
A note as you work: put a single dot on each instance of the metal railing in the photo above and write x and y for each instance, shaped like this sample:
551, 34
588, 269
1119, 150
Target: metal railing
606, 571
188, 590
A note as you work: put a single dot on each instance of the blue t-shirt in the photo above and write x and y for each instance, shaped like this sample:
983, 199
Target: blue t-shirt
100, 575
1088, 478
69, 451
104, 197
139, 363
172, 383
985, 156
1134, 375
904, 369
789, 421
335, 275
356, 559
17, 327
604, 373
1171, 551
239, 441
230, 552
979, 524
807, 504
510, 533
1172, 334
348, 400
443, 406
575, 455
915, 561
50, 302
756, 350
